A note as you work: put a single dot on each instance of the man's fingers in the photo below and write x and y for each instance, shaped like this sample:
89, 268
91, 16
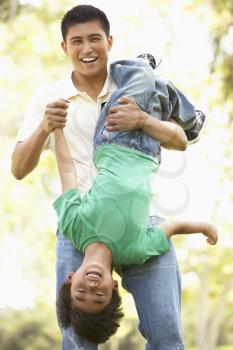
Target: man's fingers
56, 118
113, 128
56, 111
58, 104
111, 121
126, 99
123, 100
64, 100
113, 110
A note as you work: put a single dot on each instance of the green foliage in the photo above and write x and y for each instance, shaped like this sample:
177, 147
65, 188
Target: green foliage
222, 29
8, 9
32, 329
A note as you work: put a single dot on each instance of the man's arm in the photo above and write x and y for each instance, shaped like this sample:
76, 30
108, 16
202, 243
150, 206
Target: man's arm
27, 153
129, 116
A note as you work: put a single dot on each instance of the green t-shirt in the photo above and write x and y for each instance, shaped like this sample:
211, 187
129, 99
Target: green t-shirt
116, 209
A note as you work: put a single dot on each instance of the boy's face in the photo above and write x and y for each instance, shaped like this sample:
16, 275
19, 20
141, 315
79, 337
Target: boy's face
87, 46
91, 289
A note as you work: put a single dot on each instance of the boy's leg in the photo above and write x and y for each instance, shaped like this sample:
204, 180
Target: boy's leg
69, 259
156, 290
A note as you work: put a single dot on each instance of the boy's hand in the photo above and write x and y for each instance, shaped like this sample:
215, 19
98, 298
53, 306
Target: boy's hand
128, 116
211, 233
55, 115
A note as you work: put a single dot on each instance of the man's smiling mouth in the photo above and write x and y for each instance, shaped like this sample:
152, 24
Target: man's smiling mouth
88, 59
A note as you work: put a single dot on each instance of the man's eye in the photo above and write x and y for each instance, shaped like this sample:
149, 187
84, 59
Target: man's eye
100, 294
81, 290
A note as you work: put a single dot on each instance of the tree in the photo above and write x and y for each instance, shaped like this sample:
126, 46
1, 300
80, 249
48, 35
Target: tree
8, 9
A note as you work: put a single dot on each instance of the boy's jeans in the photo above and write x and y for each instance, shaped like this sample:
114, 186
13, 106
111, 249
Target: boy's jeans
156, 289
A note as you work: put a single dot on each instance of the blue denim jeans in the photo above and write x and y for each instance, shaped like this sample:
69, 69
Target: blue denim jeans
154, 95
155, 287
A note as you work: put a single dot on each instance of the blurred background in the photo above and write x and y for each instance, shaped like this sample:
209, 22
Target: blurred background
194, 39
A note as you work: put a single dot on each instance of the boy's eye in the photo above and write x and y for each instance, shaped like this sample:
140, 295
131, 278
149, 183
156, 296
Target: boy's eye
100, 294
81, 290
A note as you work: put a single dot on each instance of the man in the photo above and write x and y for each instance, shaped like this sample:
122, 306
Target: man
86, 41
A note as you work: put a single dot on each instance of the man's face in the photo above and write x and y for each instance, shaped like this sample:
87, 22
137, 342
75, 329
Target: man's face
87, 46
91, 290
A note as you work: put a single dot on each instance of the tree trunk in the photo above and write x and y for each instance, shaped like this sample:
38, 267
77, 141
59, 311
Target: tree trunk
208, 325
218, 315
202, 318
13, 8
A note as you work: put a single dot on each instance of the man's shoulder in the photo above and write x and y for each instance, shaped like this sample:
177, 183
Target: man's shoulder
55, 89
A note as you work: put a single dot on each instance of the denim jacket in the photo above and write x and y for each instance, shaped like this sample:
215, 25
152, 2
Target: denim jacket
154, 95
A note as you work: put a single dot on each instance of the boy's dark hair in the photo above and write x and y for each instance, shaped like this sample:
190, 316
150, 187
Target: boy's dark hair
96, 328
82, 14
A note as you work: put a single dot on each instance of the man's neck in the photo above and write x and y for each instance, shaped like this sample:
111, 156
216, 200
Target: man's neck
92, 85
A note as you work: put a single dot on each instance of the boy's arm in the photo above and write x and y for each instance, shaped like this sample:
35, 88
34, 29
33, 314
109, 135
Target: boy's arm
65, 162
188, 227
129, 116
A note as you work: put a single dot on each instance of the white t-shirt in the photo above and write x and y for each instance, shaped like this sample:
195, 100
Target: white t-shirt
81, 120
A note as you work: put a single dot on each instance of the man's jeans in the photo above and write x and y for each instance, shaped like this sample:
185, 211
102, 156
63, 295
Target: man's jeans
156, 290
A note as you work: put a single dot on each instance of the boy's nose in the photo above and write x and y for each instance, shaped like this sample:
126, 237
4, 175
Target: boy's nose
92, 284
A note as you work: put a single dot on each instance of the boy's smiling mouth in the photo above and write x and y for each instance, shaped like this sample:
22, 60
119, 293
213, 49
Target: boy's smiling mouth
93, 276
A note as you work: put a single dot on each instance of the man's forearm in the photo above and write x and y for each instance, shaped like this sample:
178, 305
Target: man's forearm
27, 153
168, 133
128, 116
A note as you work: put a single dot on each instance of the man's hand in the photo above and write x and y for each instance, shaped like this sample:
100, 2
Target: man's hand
55, 115
129, 116
126, 117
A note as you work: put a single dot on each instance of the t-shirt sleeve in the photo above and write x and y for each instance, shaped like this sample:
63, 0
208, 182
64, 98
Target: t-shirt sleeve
155, 243
34, 116
67, 209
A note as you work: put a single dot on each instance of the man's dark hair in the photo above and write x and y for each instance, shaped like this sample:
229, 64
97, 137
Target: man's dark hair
96, 328
83, 14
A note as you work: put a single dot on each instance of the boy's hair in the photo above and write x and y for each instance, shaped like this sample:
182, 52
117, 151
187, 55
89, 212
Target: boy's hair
82, 14
96, 328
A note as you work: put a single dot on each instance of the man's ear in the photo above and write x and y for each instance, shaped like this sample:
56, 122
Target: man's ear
115, 285
69, 277
64, 47
110, 42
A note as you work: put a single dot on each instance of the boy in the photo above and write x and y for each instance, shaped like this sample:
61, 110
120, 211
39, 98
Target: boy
110, 223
